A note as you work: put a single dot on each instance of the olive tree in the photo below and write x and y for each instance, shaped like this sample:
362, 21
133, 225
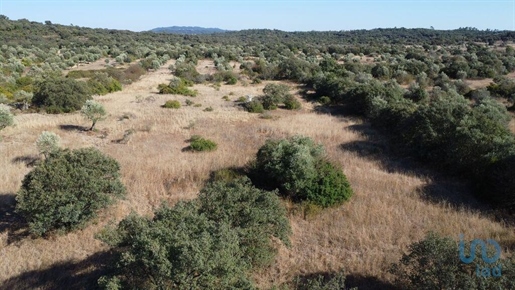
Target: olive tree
94, 112
47, 142
6, 117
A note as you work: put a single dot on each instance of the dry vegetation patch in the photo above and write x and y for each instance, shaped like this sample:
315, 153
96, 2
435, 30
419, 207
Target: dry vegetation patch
364, 236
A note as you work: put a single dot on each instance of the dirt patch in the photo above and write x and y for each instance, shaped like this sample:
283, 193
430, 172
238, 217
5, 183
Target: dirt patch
477, 84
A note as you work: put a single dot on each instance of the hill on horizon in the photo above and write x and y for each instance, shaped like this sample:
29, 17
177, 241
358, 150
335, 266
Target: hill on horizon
187, 30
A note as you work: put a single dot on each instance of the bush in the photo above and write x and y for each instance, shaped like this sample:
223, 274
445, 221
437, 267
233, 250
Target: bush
61, 95
200, 144
434, 263
324, 100
102, 83
208, 109
94, 112
254, 106
67, 189
172, 104
329, 187
211, 242
291, 103
297, 167
6, 117
178, 86
47, 143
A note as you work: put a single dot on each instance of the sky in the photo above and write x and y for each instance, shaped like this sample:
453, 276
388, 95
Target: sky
139, 15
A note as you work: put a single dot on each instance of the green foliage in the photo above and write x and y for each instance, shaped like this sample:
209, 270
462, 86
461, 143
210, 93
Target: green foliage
48, 143
324, 100
67, 189
178, 86
329, 187
290, 103
60, 95
241, 99
23, 97
94, 112
208, 243
189, 102
275, 94
434, 263
200, 144
254, 106
186, 70
172, 104
6, 117
297, 167
257, 215
208, 109
102, 83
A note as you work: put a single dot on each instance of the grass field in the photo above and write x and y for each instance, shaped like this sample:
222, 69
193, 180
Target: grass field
395, 202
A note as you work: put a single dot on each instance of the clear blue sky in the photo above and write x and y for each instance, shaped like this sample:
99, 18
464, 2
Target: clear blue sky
280, 14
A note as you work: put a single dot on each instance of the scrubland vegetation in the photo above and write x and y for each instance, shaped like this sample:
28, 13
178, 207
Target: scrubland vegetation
371, 153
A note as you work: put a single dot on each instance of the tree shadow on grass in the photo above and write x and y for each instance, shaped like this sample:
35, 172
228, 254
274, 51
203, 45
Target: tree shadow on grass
65, 275
28, 160
10, 222
332, 280
393, 158
71, 128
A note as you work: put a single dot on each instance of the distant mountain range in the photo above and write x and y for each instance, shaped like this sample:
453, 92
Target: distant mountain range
187, 30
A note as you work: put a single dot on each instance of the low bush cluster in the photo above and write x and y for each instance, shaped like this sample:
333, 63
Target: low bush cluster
298, 167
212, 242
199, 144
178, 86
172, 104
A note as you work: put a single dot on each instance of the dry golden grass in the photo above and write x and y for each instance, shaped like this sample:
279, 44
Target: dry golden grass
512, 125
479, 83
363, 236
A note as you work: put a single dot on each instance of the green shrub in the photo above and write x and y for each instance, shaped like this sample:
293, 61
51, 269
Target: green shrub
434, 263
254, 106
102, 83
329, 187
201, 144
256, 214
324, 100
47, 143
225, 98
67, 189
208, 109
189, 102
297, 167
291, 103
60, 95
6, 117
172, 104
197, 105
212, 242
177, 86
241, 99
